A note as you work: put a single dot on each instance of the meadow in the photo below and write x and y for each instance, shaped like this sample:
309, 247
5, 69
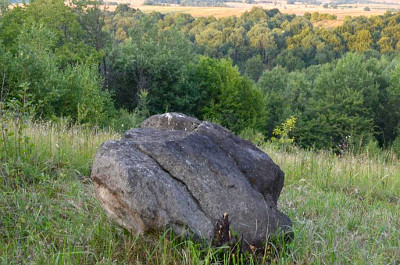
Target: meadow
345, 209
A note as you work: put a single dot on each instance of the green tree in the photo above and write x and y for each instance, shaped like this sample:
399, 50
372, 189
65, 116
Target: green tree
92, 104
4, 6
388, 120
10, 27
273, 85
227, 97
254, 67
73, 92
287, 94
342, 105
361, 41
155, 61
261, 37
291, 59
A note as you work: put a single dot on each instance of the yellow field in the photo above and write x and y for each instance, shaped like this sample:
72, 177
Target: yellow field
236, 9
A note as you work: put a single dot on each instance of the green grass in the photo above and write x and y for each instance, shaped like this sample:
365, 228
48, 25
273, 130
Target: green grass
345, 210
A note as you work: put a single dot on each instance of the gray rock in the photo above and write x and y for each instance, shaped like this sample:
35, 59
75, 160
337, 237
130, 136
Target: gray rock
171, 121
184, 174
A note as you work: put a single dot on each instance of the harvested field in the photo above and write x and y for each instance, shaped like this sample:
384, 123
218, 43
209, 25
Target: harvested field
237, 9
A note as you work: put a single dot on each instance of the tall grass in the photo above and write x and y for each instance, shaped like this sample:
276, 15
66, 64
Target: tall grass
345, 210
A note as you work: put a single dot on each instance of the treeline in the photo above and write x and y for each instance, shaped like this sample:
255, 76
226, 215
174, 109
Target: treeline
316, 16
213, 3
335, 87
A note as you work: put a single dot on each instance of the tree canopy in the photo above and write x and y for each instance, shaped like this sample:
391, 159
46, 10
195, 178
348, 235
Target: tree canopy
249, 73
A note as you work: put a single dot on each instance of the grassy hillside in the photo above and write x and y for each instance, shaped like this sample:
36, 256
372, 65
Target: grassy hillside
344, 209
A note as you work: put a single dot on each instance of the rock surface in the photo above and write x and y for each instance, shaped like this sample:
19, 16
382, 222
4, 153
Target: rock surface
184, 174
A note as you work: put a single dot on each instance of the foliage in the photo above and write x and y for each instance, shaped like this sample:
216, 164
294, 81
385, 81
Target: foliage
283, 132
125, 120
4, 6
287, 94
231, 99
157, 62
316, 16
396, 146
254, 136
254, 67
343, 104
93, 105
389, 113
94, 67
74, 91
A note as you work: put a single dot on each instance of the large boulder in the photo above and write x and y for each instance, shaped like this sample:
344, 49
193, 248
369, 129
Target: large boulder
178, 172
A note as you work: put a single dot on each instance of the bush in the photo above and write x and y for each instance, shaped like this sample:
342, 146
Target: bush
282, 133
396, 146
372, 148
253, 136
125, 120
228, 97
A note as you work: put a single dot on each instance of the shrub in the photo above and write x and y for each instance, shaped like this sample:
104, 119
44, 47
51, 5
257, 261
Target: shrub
396, 146
252, 135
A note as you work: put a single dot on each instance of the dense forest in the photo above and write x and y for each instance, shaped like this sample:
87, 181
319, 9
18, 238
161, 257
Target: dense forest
264, 73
